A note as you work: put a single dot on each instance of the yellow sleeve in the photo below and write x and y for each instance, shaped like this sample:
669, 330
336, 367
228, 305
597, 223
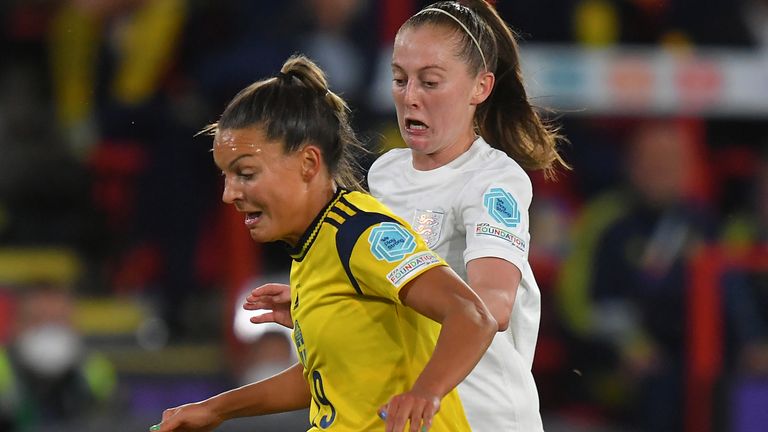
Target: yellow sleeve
387, 256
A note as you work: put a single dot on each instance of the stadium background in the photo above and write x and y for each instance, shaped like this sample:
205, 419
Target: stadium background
109, 203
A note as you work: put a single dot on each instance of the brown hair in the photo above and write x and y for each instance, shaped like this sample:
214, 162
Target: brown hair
506, 119
296, 107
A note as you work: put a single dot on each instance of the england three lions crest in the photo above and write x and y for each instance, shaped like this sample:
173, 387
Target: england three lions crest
428, 224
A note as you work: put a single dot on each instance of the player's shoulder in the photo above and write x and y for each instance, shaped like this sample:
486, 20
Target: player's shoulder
356, 207
354, 202
492, 168
358, 213
496, 160
390, 159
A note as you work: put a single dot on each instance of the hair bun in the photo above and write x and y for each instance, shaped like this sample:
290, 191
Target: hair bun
286, 76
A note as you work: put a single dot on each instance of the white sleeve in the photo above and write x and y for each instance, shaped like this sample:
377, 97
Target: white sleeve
495, 216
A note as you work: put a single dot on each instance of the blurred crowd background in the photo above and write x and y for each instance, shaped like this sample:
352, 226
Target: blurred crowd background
122, 273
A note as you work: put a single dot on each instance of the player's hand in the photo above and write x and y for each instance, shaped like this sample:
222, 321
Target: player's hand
274, 298
194, 417
417, 407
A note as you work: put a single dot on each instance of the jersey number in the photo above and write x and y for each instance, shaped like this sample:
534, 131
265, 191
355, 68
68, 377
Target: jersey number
323, 402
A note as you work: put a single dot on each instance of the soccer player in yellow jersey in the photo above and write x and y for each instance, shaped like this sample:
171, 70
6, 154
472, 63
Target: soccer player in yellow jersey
381, 323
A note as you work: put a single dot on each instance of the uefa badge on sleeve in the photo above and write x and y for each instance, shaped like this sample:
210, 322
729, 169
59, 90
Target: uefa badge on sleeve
391, 241
428, 224
502, 207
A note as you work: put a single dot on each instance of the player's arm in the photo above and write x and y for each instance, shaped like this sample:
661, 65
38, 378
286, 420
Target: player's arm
495, 280
496, 222
286, 391
467, 330
467, 326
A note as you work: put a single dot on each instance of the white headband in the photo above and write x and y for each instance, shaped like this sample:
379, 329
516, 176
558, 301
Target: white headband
477, 44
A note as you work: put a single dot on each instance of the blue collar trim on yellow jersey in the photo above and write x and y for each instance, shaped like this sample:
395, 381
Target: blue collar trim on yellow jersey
309, 236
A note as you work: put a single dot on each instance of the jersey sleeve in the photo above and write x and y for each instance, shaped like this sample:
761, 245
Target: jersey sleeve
387, 255
495, 215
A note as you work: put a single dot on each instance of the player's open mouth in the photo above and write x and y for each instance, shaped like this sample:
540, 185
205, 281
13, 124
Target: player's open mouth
412, 125
252, 218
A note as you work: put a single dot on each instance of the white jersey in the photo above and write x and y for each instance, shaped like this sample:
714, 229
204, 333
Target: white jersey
477, 206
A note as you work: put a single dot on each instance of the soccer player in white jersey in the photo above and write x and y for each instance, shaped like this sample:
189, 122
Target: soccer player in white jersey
471, 132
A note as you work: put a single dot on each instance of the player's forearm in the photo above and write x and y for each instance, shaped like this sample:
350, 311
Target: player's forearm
286, 391
464, 337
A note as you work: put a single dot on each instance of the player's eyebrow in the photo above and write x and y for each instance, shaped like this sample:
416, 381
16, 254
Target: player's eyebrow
421, 69
236, 160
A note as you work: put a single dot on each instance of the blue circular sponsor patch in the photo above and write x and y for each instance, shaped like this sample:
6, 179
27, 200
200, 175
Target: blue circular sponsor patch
502, 207
391, 242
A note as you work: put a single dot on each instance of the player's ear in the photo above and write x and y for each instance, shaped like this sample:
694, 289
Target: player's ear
483, 87
311, 161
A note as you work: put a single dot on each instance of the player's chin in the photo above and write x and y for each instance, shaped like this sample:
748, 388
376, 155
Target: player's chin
419, 144
260, 235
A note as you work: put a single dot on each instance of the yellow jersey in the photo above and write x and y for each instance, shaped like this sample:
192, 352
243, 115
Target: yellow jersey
358, 343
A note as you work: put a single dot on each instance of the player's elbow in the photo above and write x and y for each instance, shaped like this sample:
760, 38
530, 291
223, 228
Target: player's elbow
501, 308
502, 322
485, 320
